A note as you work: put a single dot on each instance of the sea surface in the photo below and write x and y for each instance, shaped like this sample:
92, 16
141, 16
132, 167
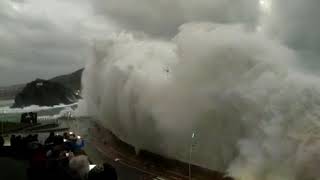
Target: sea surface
64, 114
13, 114
5, 103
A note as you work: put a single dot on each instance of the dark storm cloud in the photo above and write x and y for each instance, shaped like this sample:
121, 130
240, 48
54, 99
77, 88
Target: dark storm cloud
162, 18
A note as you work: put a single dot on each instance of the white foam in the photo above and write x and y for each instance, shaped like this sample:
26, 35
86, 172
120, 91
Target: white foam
254, 115
33, 108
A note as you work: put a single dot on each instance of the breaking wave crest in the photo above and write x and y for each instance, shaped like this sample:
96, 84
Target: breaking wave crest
253, 114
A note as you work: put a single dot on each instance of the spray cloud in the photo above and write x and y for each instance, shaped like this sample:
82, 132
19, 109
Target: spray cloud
254, 115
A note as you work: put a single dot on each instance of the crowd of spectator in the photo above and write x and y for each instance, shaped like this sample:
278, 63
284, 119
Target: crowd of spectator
59, 157
23, 145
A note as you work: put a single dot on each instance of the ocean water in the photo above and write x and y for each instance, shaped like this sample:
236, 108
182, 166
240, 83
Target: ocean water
13, 114
46, 115
6, 103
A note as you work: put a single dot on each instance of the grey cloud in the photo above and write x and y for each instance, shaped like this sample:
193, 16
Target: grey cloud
18, 1
41, 50
162, 18
36, 46
296, 23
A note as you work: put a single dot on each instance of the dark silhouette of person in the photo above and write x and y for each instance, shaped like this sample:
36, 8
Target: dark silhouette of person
58, 140
66, 135
1, 141
13, 141
50, 138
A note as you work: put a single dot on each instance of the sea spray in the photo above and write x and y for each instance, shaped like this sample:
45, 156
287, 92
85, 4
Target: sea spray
253, 114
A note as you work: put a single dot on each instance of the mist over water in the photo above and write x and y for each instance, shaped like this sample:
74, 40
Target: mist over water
254, 115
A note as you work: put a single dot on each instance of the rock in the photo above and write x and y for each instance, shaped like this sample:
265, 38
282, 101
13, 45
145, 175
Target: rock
72, 80
44, 93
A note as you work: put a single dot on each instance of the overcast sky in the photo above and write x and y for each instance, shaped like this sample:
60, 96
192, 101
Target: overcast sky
45, 38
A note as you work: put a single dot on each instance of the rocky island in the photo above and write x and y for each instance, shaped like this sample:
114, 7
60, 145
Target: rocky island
45, 93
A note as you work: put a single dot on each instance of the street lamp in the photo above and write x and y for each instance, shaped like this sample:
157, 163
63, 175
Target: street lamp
190, 154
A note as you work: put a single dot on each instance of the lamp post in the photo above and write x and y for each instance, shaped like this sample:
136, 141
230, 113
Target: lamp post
190, 154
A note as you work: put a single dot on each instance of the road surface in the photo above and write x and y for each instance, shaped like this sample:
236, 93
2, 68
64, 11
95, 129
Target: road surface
125, 172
